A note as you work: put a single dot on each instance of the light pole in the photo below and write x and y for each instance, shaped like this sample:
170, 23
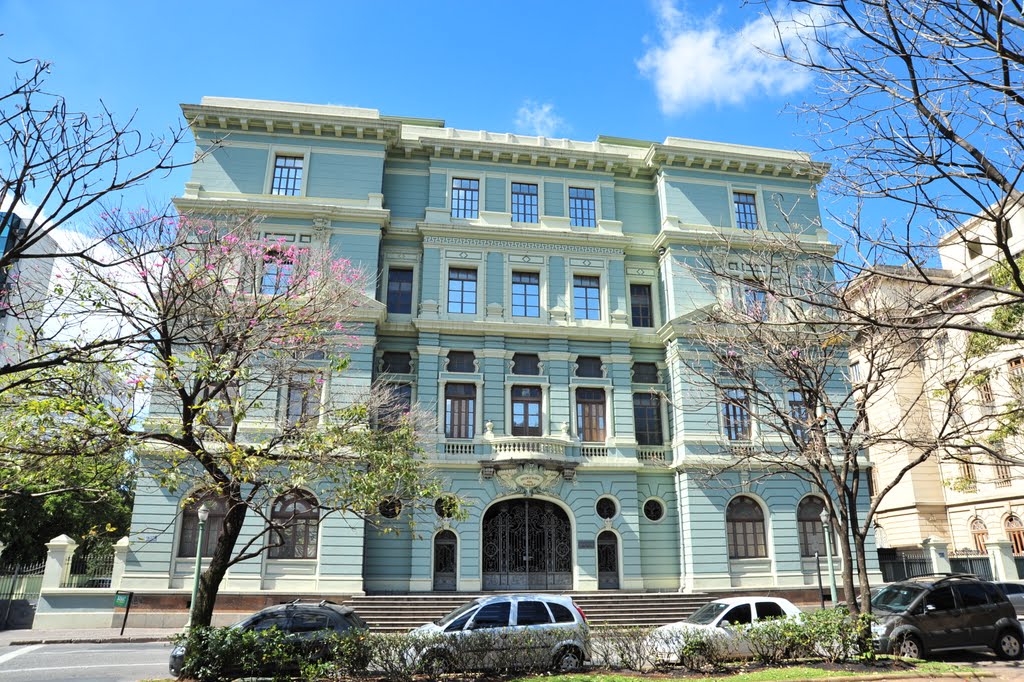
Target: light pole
204, 513
826, 527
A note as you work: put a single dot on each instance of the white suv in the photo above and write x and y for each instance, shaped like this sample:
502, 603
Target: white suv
509, 631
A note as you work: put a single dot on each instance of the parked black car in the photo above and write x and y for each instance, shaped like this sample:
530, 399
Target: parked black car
306, 621
922, 615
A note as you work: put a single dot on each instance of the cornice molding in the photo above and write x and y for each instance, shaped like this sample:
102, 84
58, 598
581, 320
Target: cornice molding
284, 207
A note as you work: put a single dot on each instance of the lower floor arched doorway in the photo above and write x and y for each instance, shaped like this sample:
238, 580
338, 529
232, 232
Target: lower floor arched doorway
527, 545
446, 547
607, 561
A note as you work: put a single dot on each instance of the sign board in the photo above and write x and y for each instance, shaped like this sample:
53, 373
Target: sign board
585, 544
121, 600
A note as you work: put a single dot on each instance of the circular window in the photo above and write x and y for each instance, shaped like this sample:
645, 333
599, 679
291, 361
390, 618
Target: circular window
606, 508
654, 510
446, 506
390, 508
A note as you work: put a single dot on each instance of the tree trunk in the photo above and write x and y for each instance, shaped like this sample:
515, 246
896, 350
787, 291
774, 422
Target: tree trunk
210, 580
843, 550
862, 573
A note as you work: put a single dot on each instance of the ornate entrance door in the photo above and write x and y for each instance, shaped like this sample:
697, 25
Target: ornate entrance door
527, 545
607, 561
446, 547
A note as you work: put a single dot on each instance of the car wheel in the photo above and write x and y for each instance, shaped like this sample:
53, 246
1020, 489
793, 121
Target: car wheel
909, 646
1008, 646
435, 663
569, 659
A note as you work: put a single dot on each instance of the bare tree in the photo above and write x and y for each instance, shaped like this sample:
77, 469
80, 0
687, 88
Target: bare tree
247, 339
777, 370
920, 107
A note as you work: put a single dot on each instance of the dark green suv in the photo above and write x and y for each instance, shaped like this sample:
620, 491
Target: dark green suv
932, 613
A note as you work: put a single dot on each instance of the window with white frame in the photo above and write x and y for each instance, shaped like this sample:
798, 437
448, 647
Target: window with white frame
462, 291
641, 305
799, 415
812, 530
465, 198
591, 418
189, 539
586, 297
736, 414
295, 518
524, 202
647, 419
287, 179
525, 294
582, 207
399, 294
745, 204
527, 402
278, 267
459, 410
745, 529
302, 402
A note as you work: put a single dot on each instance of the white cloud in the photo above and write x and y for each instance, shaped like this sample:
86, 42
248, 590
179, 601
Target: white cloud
700, 62
535, 118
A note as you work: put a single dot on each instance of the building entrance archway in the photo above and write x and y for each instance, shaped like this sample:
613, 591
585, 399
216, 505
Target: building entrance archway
607, 561
446, 551
527, 545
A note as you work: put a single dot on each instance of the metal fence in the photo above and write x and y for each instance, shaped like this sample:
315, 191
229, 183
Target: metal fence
970, 561
19, 589
94, 569
900, 564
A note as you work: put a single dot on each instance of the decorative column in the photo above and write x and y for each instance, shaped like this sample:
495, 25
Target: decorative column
1000, 553
58, 561
120, 557
935, 551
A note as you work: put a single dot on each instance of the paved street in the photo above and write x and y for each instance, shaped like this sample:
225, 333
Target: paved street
115, 662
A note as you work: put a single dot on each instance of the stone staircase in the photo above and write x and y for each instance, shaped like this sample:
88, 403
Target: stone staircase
401, 612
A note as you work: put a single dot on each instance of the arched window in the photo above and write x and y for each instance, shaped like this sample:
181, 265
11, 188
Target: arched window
1015, 533
744, 521
812, 531
979, 533
218, 507
295, 517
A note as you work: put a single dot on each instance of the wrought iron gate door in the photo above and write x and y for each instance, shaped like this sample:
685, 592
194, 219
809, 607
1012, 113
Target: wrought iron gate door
607, 561
527, 545
445, 553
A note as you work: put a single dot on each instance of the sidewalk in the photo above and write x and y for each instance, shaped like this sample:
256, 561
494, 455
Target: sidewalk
70, 636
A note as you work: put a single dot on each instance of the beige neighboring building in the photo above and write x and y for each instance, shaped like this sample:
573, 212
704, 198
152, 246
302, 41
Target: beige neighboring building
971, 504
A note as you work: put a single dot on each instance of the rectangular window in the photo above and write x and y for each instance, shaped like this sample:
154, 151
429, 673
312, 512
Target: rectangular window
1002, 473
586, 297
459, 410
589, 366
855, 372
277, 274
465, 198
985, 395
461, 361
394, 362
524, 202
746, 210
647, 419
582, 207
526, 404
400, 291
287, 176
398, 403
973, 248
525, 363
640, 305
645, 373
736, 414
798, 414
590, 414
750, 300
462, 291
303, 399
968, 476
525, 294
1016, 374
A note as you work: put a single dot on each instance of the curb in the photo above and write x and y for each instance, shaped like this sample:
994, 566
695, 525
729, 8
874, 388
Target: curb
92, 640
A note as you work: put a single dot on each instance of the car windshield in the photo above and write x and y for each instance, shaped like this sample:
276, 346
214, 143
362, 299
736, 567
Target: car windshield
457, 612
707, 613
896, 597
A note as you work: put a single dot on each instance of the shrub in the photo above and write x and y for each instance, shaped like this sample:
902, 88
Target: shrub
628, 648
702, 651
775, 640
832, 634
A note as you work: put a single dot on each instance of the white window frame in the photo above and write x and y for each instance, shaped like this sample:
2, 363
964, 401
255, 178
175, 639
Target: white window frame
758, 193
529, 180
602, 288
539, 270
752, 436
478, 407
655, 301
292, 151
390, 264
465, 175
597, 202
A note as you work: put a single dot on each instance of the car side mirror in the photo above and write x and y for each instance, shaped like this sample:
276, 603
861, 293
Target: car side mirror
929, 608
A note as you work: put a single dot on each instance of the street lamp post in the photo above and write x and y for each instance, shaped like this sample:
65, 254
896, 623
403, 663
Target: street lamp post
203, 513
827, 528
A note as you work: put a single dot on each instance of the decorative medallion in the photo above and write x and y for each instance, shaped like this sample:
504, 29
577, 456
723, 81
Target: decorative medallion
528, 478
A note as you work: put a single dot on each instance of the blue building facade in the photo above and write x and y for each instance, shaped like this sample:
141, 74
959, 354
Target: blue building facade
534, 293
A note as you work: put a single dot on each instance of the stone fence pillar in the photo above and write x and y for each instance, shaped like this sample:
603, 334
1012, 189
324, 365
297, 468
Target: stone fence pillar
1000, 553
120, 557
936, 552
58, 561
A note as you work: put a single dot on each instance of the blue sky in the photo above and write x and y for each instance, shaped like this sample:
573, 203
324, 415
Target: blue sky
631, 68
